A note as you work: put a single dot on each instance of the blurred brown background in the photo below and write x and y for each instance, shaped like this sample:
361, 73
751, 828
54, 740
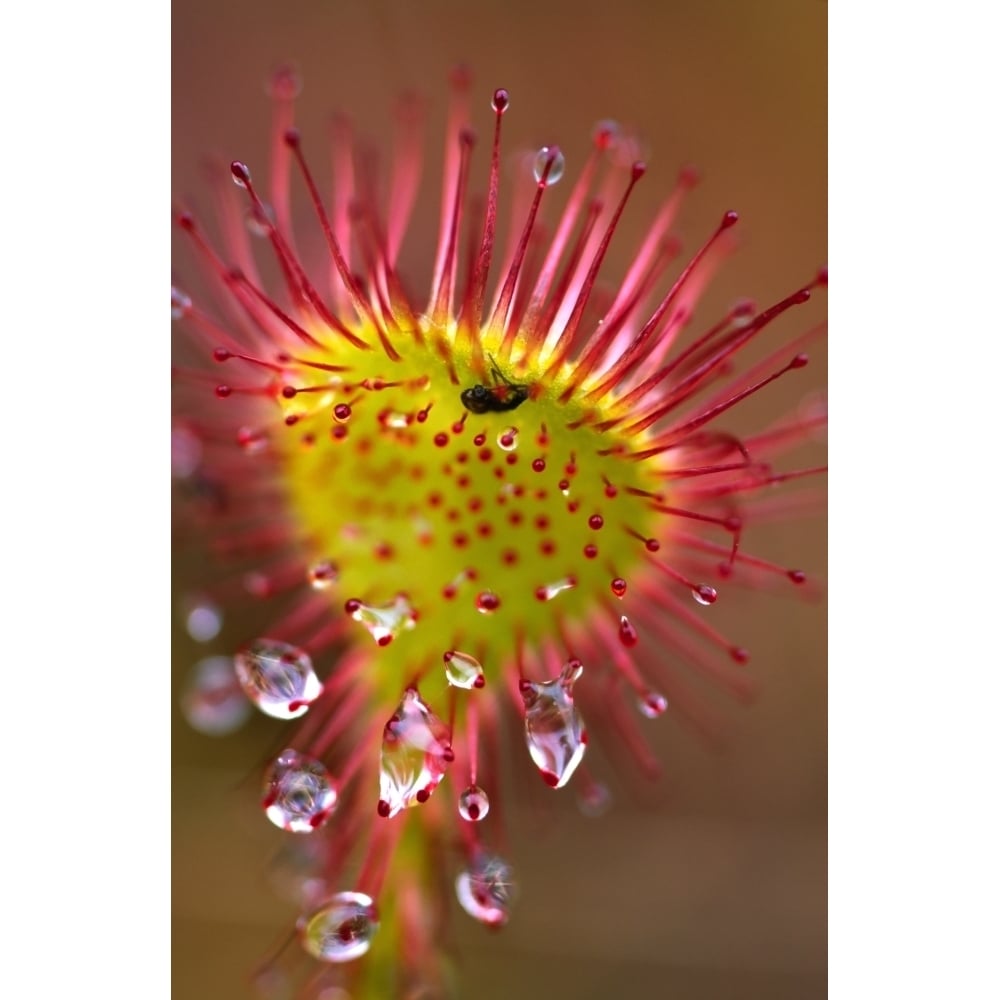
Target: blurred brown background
713, 884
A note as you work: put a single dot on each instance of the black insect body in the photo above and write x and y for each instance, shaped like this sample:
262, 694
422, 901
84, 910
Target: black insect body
501, 396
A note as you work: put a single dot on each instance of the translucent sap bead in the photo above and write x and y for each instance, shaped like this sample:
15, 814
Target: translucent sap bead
473, 804
416, 752
553, 727
485, 890
298, 793
556, 170
202, 619
213, 702
277, 677
652, 704
341, 929
180, 303
384, 622
185, 452
463, 671
547, 592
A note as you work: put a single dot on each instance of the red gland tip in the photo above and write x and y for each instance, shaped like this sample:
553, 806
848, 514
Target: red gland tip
241, 173
501, 100
293, 137
799, 361
638, 169
383, 808
186, 221
730, 219
689, 177
221, 354
821, 277
606, 133
460, 77
286, 84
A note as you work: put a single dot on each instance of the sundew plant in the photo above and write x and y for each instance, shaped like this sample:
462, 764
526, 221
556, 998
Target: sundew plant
482, 524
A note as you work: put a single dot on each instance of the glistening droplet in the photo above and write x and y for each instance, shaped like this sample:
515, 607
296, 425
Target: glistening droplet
277, 677
384, 621
550, 590
549, 155
298, 793
323, 574
507, 439
258, 222
473, 804
180, 303
486, 889
553, 727
341, 929
416, 752
203, 619
704, 594
652, 704
463, 671
213, 701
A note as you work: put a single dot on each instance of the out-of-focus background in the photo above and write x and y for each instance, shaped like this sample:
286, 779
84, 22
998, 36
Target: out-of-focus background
711, 884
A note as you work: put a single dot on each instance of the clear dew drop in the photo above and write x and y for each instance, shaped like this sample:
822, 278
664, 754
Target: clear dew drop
277, 677
463, 671
473, 804
213, 701
180, 304
547, 592
259, 223
485, 890
396, 420
202, 619
323, 575
416, 753
298, 793
340, 930
704, 594
553, 727
384, 621
507, 439
652, 704
252, 440
546, 155
185, 452
240, 174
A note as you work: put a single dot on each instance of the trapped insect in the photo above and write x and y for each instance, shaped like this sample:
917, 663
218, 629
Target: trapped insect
501, 396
